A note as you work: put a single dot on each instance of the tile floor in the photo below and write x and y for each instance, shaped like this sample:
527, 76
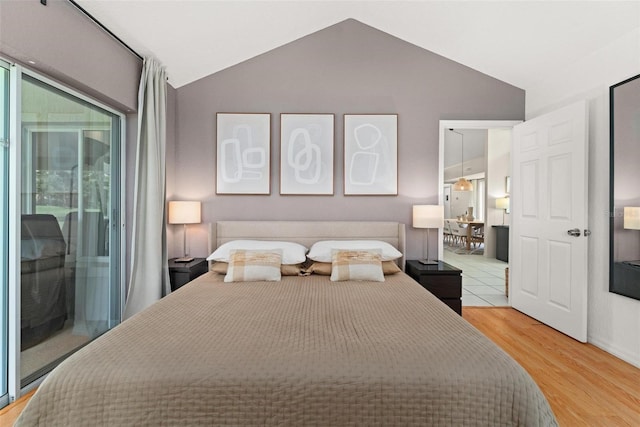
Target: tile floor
482, 279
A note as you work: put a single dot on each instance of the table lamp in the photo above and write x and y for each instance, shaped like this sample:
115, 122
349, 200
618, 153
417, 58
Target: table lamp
181, 212
503, 203
632, 222
428, 216
632, 218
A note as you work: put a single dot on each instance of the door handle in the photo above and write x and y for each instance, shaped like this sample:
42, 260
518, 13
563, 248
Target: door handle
575, 232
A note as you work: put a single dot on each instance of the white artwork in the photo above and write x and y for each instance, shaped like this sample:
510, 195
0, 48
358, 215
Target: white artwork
371, 154
243, 153
306, 154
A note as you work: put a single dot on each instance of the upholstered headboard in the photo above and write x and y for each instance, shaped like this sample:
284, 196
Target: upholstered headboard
309, 232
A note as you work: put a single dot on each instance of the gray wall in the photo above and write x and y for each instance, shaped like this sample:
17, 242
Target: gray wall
67, 46
346, 68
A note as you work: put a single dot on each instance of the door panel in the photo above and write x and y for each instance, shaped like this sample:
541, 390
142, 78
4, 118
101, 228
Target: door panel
559, 274
548, 274
531, 269
560, 133
69, 191
529, 178
559, 188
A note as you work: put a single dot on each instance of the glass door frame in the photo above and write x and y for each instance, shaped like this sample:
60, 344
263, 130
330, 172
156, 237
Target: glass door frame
117, 227
4, 253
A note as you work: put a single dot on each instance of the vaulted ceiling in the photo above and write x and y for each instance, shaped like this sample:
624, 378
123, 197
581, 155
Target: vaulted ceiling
519, 42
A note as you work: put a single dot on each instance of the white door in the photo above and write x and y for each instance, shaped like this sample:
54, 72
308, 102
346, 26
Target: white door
548, 268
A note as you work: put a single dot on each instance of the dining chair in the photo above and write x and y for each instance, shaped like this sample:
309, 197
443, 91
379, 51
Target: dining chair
448, 235
477, 238
459, 233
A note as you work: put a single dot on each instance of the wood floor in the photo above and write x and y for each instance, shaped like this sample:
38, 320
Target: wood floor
9, 414
584, 385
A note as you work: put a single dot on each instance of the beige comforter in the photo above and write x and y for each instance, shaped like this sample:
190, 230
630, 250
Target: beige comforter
303, 351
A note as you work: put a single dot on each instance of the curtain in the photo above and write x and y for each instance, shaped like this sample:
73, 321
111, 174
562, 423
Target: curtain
149, 280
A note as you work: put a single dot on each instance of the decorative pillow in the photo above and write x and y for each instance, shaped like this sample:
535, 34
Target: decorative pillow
324, 268
219, 267
254, 266
292, 253
390, 267
356, 265
322, 251
285, 270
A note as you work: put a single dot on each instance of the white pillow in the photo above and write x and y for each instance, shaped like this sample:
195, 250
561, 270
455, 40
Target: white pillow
322, 251
292, 253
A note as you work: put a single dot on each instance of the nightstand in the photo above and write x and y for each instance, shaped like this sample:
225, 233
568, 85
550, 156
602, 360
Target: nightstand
442, 280
184, 272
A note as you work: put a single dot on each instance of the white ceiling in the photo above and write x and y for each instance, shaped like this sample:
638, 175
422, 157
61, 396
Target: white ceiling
474, 146
519, 42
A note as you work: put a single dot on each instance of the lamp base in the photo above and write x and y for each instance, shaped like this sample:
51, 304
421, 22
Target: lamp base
184, 259
429, 261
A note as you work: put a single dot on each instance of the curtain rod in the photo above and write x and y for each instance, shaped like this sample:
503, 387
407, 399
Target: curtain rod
98, 23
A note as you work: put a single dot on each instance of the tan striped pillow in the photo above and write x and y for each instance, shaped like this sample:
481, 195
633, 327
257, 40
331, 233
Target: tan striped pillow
356, 265
221, 267
254, 266
324, 268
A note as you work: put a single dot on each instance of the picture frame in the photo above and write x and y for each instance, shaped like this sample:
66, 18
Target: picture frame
507, 184
306, 154
371, 154
243, 153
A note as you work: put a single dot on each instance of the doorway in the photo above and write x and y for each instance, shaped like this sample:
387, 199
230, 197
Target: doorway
62, 285
69, 292
487, 168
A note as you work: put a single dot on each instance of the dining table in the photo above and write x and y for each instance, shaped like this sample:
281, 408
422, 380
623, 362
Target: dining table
470, 226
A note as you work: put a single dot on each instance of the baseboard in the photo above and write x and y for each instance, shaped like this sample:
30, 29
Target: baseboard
625, 355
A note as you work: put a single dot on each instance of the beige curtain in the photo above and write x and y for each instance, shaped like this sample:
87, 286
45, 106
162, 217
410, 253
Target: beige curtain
149, 279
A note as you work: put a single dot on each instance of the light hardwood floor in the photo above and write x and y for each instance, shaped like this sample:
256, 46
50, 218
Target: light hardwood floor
584, 385
9, 414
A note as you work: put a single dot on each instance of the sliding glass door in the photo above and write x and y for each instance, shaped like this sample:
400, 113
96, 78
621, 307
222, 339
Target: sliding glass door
4, 235
70, 275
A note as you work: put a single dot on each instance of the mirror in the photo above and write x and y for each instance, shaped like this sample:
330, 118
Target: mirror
624, 208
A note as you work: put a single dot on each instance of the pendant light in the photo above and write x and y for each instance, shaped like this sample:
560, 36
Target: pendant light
462, 184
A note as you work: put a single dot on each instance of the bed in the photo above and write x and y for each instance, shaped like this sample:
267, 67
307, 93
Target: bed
299, 351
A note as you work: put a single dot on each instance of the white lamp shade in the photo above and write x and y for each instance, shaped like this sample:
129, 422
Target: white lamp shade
184, 213
428, 216
632, 218
502, 203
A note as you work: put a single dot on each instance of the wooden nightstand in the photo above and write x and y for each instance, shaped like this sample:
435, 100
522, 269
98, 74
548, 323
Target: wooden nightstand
442, 280
184, 272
